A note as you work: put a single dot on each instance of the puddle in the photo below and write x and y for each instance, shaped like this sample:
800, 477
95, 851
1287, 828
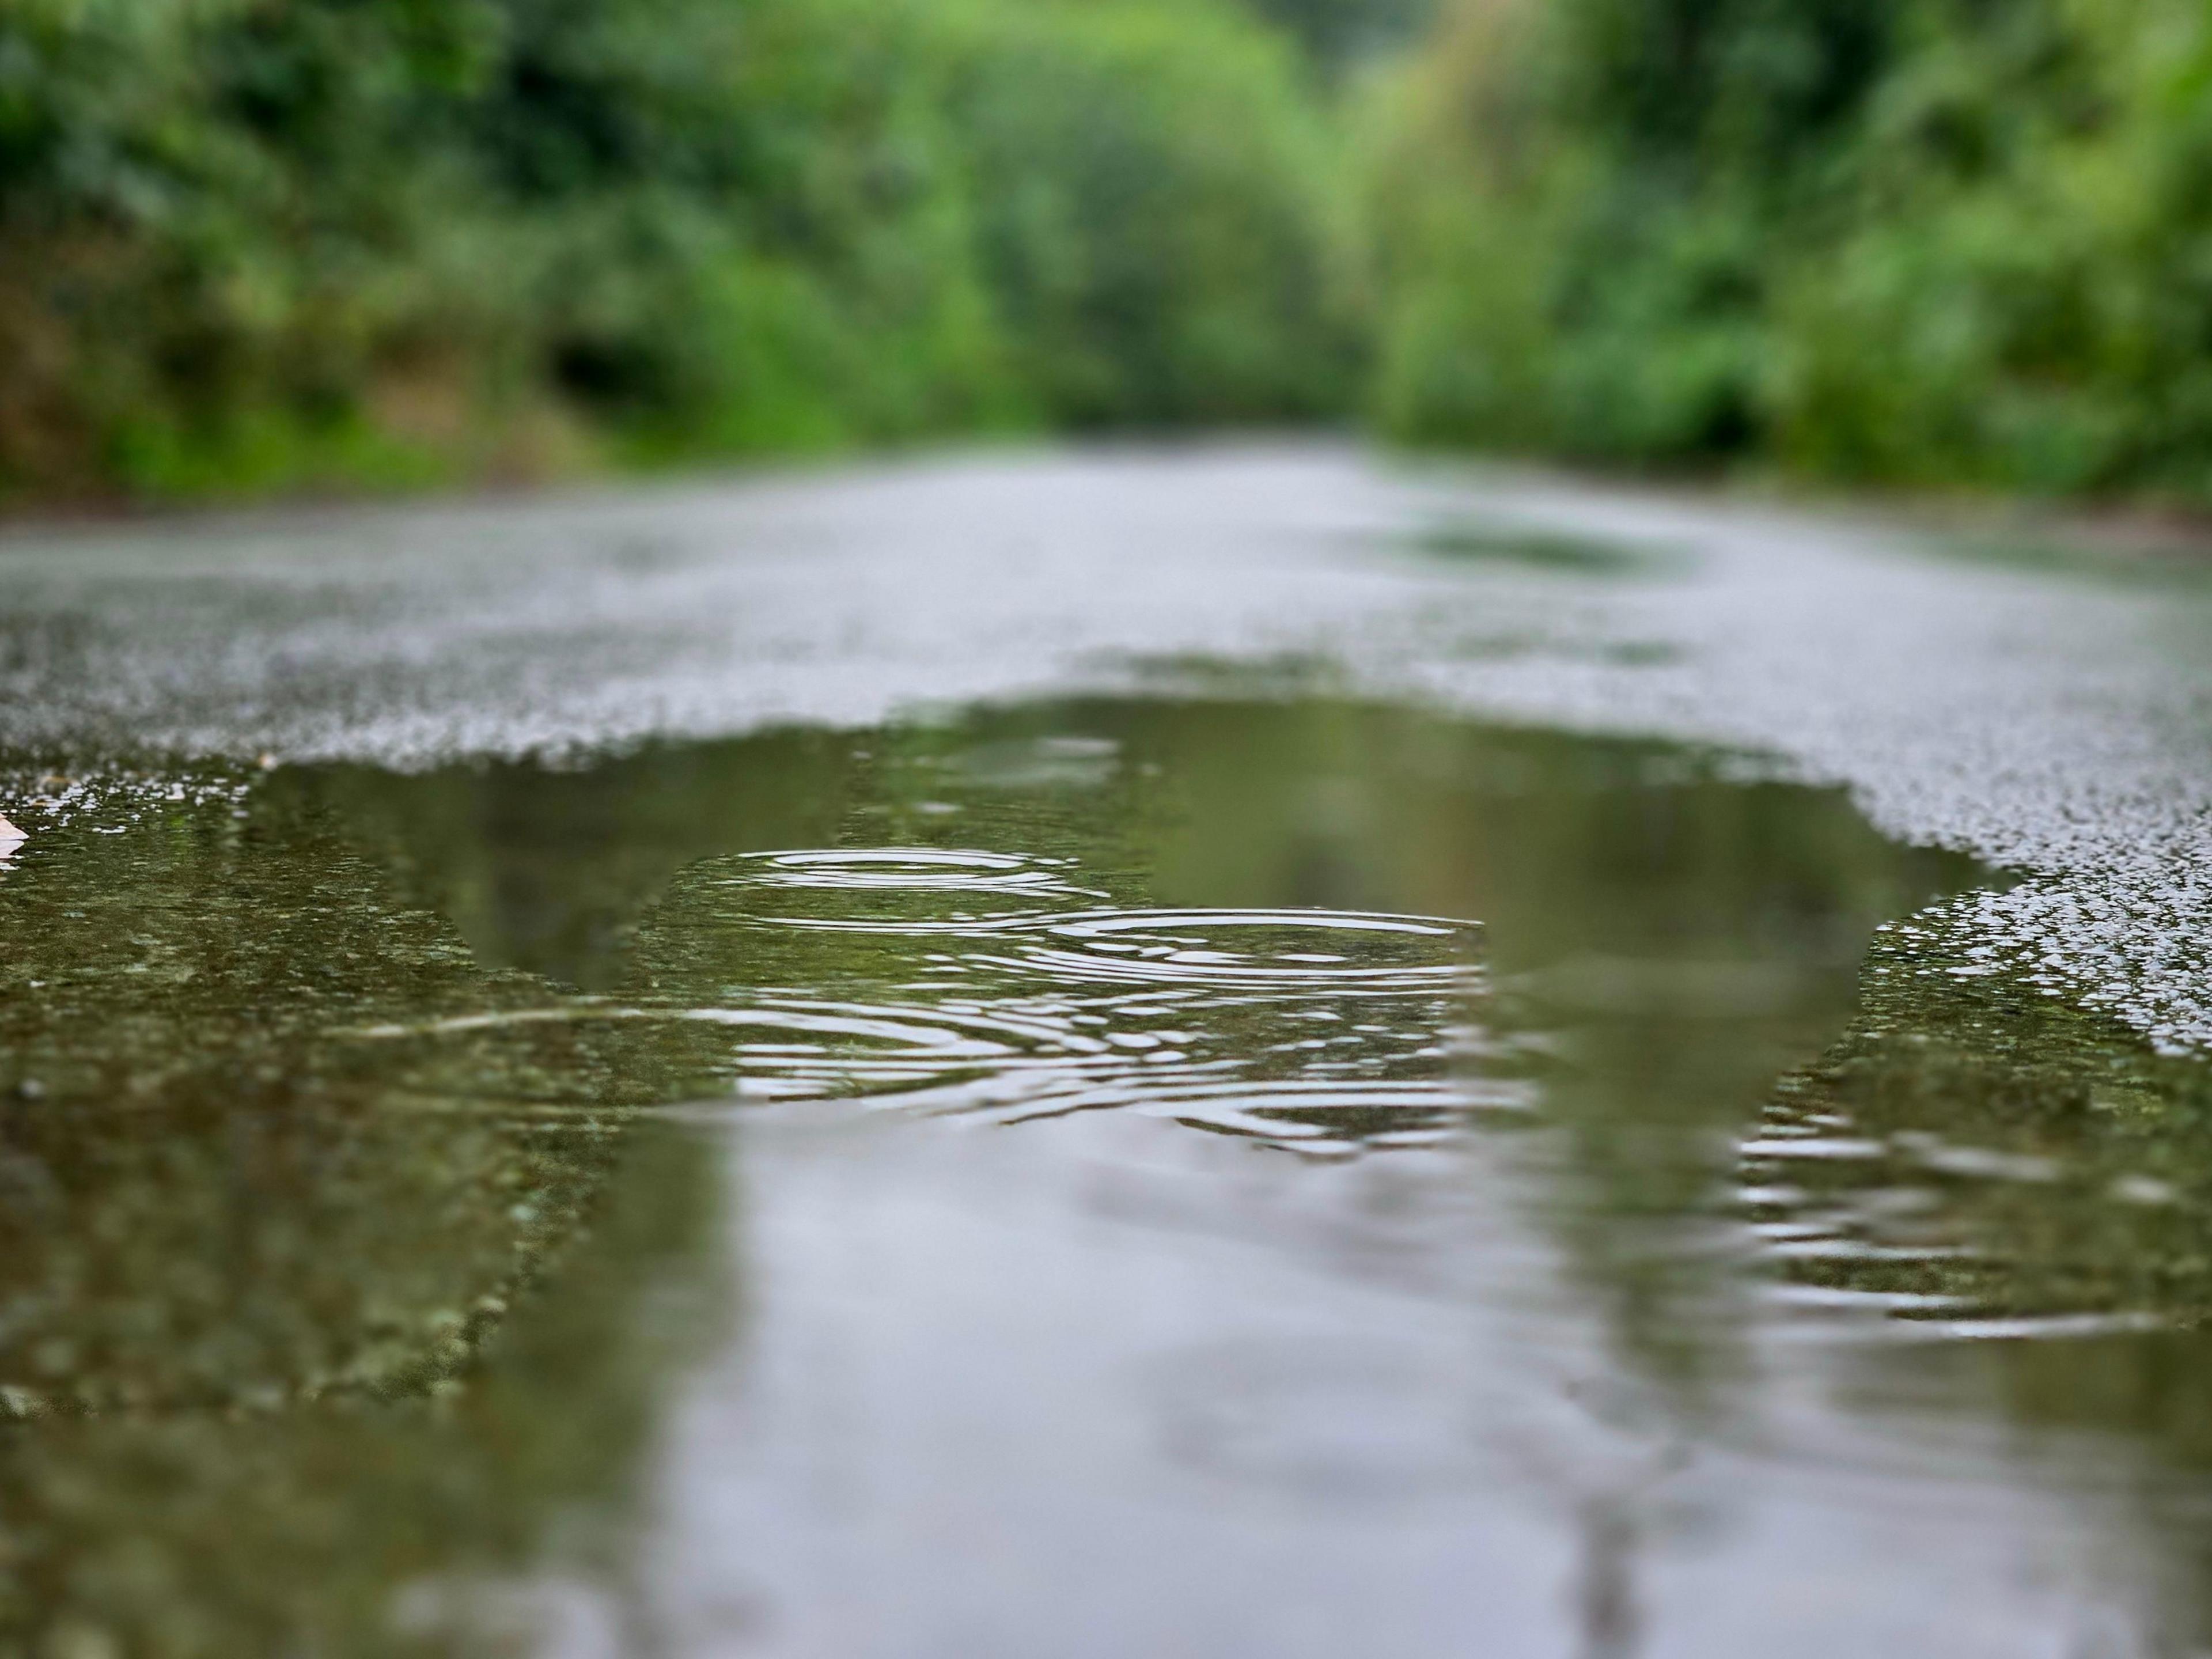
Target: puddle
1272, 1177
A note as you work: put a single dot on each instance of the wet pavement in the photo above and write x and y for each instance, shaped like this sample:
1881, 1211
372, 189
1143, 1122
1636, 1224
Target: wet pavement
1223, 1053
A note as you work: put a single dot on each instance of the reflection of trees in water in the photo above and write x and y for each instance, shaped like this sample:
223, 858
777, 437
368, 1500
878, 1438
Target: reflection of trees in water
1989, 1152
248, 1263
1978, 1159
1670, 938
1675, 937
269, 1530
262, 1169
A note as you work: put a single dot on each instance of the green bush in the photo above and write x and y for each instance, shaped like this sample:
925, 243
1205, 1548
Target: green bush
259, 244
1935, 241
1151, 210
247, 243
2022, 297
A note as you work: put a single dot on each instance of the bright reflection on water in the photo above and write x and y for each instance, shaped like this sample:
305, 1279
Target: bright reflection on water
1147, 1176
1314, 1028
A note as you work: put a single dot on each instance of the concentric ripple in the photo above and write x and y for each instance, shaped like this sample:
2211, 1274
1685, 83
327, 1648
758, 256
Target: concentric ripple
913, 869
874, 974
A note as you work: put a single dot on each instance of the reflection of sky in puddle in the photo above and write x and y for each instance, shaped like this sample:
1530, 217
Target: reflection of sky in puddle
779, 1229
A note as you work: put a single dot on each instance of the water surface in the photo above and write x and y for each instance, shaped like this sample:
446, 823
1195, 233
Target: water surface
1218, 1174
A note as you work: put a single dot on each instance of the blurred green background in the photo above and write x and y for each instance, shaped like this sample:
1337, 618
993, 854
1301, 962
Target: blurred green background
253, 245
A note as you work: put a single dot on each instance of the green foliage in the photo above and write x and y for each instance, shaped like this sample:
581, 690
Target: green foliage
1931, 241
251, 243
256, 244
1338, 34
1149, 208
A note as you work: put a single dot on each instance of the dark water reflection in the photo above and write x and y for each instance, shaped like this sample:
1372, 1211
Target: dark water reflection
1131, 1176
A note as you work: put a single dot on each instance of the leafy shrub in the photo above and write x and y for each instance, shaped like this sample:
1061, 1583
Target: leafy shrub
1931, 241
251, 243
1152, 213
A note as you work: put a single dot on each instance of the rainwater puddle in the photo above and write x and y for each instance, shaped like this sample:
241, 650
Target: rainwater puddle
1134, 1176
